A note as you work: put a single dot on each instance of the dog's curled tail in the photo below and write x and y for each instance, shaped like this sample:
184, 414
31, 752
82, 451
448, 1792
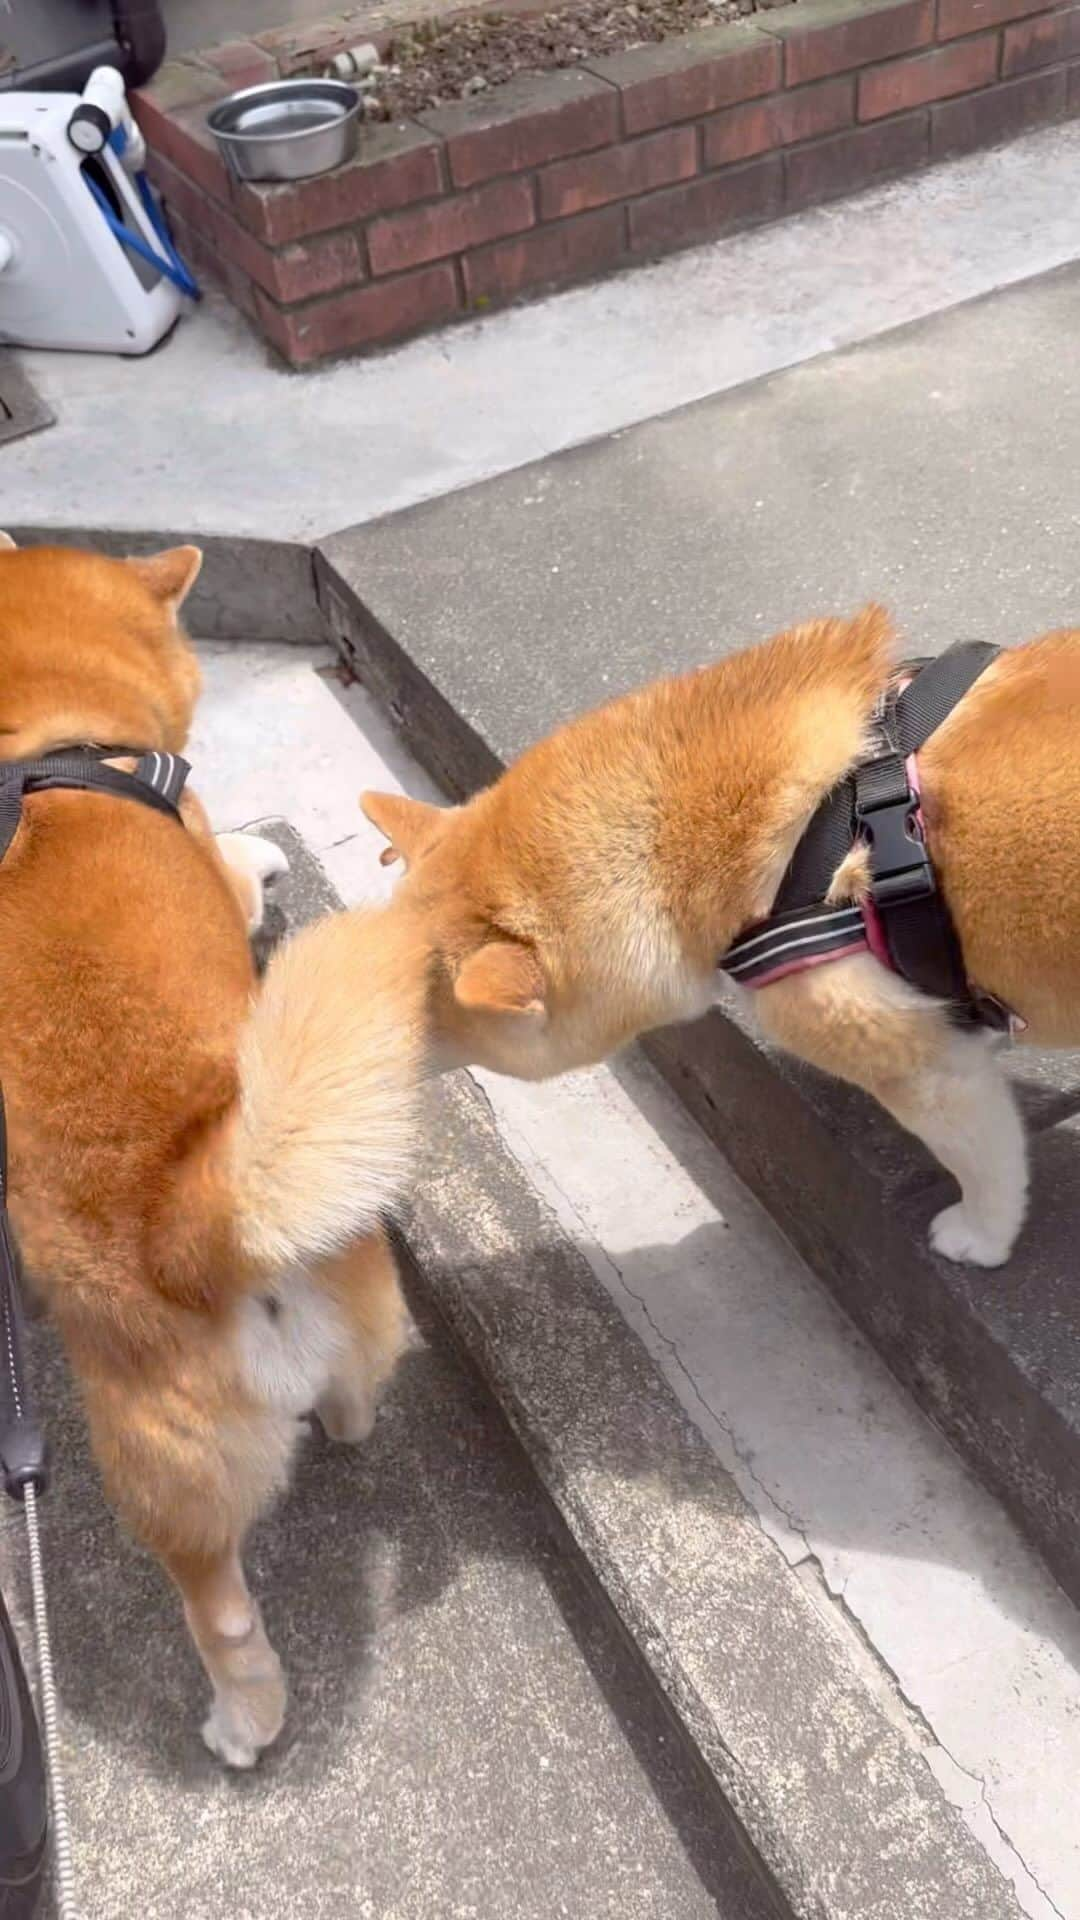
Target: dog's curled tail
330, 1062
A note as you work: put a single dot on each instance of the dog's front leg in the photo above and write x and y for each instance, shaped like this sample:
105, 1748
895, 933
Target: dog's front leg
856, 1020
252, 862
965, 1113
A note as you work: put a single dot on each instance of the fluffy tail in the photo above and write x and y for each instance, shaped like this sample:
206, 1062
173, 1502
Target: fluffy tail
330, 1064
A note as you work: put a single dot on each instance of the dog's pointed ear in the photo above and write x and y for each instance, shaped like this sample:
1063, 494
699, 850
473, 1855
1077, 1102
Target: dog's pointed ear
170, 576
6, 540
409, 825
501, 977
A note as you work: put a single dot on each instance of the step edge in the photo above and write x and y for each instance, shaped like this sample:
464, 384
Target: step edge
250, 588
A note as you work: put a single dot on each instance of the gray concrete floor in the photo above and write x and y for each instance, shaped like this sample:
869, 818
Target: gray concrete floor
934, 469
285, 456
465, 1741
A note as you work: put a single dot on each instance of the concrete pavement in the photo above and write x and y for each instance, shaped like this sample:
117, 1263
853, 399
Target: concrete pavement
207, 436
466, 1738
933, 469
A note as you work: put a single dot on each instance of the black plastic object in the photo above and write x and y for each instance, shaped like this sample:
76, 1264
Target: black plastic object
22, 1440
24, 1819
54, 45
23, 1802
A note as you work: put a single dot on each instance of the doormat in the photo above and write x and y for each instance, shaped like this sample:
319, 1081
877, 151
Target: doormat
22, 409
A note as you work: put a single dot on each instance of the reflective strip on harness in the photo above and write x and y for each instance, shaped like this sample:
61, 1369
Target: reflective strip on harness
791, 941
164, 773
158, 780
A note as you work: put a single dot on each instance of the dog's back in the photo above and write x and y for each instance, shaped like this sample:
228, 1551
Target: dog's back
1002, 780
123, 956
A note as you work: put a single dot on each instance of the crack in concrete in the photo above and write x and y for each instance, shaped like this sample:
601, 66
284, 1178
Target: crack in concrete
838, 1597
1008, 1842
930, 1740
796, 1525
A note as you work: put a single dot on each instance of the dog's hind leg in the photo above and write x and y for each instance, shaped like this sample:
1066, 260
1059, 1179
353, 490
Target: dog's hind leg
190, 1460
856, 1020
364, 1284
244, 1671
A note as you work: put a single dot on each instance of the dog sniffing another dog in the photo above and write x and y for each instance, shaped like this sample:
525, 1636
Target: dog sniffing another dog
201, 1163
589, 894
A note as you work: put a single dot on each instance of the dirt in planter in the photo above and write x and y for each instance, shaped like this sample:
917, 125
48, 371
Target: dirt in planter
436, 62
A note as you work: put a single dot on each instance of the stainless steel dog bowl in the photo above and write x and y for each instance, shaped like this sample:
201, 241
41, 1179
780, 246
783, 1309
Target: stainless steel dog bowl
287, 129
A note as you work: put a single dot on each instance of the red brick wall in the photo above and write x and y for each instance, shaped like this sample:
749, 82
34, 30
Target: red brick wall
567, 175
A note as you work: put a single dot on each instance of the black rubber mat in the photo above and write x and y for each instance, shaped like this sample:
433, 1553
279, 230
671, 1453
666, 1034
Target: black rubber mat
22, 409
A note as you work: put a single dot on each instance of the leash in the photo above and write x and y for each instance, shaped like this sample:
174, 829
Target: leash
23, 1465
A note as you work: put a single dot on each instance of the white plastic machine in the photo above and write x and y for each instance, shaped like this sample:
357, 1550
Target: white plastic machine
84, 264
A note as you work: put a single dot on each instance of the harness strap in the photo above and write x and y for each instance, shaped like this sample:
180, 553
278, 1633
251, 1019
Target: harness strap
790, 942
906, 921
158, 781
916, 927
937, 687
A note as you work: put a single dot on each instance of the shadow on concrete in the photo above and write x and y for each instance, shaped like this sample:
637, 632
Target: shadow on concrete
440, 1639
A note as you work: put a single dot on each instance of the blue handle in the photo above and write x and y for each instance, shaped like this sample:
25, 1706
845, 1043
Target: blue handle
168, 263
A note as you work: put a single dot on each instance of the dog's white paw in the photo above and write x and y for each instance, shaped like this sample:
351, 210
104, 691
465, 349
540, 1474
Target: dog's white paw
256, 863
226, 1741
348, 1418
232, 1729
249, 1712
257, 856
956, 1235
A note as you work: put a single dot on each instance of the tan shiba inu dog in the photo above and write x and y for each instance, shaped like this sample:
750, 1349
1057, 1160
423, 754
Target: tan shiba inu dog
588, 894
199, 1165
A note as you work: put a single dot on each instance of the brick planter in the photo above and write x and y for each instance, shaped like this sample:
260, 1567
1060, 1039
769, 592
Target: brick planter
564, 176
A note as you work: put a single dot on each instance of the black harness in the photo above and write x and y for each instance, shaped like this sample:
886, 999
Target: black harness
906, 919
158, 782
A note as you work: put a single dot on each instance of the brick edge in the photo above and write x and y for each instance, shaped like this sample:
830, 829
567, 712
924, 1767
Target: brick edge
563, 176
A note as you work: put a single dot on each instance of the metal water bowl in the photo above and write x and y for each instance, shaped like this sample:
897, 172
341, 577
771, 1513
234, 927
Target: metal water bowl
287, 129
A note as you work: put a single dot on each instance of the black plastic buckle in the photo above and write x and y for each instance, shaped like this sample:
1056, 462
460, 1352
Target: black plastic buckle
900, 868
24, 1458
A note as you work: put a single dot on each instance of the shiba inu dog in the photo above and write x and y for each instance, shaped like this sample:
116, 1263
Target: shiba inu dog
199, 1165
591, 892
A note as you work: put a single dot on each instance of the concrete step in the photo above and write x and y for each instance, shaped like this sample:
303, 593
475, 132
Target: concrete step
920, 469
635, 1268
